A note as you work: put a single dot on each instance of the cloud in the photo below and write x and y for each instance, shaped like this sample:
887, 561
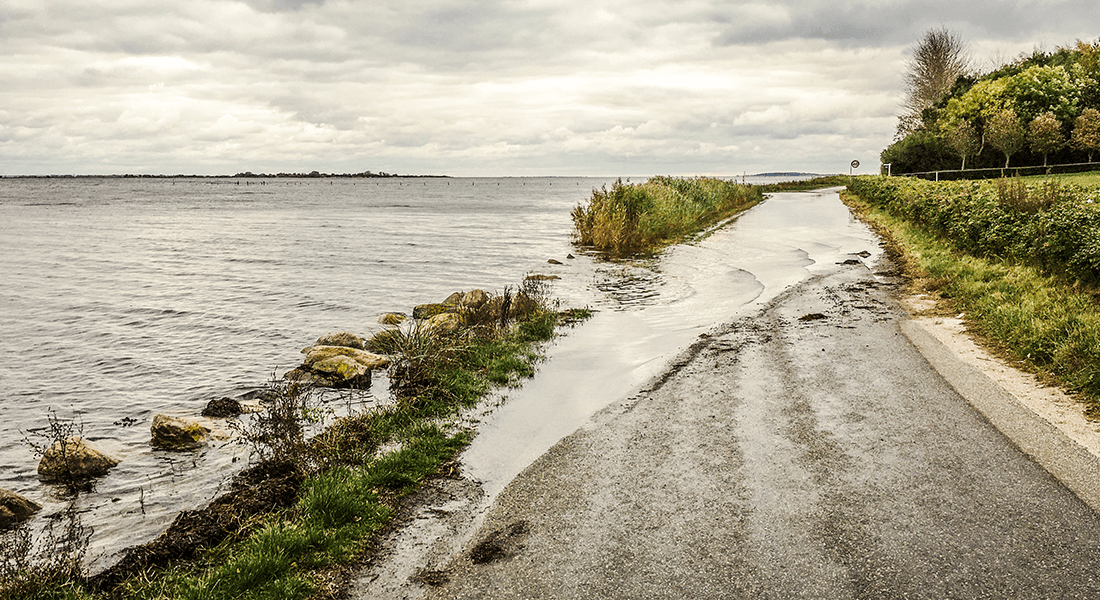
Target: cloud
523, 87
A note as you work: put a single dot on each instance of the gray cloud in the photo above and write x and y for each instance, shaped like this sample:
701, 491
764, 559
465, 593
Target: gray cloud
547, 87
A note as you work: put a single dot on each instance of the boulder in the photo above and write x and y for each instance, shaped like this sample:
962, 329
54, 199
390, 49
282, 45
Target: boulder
341, 338
74, 458
338, 366
177, 433
445, 323
427, 311
392, 319
14, 509
222, 408
474, 299
315, 354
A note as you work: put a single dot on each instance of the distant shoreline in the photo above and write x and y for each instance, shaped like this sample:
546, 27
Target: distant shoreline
247, 174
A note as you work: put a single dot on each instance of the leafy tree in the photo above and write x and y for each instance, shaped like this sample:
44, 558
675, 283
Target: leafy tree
938, 60
1046, 89
1086, 131
1005, 133
1046, 135
963, 137
918, 152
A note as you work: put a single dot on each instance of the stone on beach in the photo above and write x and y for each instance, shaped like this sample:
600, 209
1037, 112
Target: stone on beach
341, 338
392, 319
222, 408
15, 509
74, 458
316, 354
338, 367
177, 433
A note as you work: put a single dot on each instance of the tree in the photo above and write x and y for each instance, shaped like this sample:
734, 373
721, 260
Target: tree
1046, 135
1005, 133
964, 139
1086, 131
938, 60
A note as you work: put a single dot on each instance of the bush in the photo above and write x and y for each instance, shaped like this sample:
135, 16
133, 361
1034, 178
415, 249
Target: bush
638, 218
1053, 227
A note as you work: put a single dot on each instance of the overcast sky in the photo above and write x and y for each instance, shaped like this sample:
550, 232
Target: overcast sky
524, 87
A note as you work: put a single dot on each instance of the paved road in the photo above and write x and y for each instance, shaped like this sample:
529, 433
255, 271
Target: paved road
806, 452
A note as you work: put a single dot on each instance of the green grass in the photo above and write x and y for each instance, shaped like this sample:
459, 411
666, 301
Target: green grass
289, 554
1046, 324
643, 218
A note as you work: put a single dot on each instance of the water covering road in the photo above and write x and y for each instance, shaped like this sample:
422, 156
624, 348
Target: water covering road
805, 449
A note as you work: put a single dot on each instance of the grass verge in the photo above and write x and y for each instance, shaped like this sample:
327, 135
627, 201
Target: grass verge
635, 218
1040, 321
335, 492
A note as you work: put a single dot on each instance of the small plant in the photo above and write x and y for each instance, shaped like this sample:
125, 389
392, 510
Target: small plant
48, 568
278, 433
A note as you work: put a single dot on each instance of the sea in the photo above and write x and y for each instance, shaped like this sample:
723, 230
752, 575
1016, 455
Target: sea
123, 298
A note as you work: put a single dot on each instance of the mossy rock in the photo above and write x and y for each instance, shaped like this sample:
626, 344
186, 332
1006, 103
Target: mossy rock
392, 319
340, 338
427, 311
176, 433
446, 323
74, 458
15, 509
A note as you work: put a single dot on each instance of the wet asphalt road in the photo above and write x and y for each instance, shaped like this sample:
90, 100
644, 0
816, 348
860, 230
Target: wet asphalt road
808, 451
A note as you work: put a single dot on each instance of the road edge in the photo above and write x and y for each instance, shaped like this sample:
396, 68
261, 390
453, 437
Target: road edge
1050, 447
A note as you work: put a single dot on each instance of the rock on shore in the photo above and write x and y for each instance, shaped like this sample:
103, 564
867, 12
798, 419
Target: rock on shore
74, 458
15, 509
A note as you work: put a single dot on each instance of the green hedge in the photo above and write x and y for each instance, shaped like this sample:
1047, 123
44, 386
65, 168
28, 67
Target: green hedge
1046, 224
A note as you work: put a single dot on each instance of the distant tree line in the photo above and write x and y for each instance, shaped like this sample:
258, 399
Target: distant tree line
1040, 109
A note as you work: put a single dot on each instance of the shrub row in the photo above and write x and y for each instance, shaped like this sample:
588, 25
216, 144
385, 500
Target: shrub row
632, 218
1045, 224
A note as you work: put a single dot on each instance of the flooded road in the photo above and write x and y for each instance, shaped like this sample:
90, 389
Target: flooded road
806, 451
798, 446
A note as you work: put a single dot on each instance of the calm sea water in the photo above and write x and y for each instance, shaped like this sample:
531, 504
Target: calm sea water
125, 298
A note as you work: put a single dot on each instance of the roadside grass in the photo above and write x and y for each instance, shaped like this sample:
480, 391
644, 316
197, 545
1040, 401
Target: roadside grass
1048, 325
633, 218
359, 469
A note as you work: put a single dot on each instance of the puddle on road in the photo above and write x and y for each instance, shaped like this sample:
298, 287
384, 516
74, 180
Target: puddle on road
647, 315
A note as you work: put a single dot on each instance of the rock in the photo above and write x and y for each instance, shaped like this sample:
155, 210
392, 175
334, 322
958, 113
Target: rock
455, 298
222, 408
15, 509
176, 433
445, 323
570, 256
341, 338
338, 366
538, 277
474, 299
554, 261
74, 458
370, 360
342, 368
427, 311
392, 319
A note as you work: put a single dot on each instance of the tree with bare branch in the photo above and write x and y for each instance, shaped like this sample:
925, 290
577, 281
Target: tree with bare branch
938, 60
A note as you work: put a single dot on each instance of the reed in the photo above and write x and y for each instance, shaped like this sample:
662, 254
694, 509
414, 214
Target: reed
642, 218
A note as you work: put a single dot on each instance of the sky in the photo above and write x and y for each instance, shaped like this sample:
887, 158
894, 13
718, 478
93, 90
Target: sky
502, 88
